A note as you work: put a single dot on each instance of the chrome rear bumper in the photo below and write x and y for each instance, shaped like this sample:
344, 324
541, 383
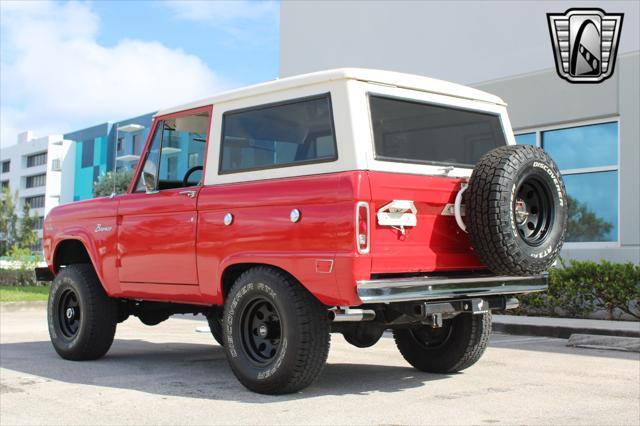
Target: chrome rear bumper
438, 288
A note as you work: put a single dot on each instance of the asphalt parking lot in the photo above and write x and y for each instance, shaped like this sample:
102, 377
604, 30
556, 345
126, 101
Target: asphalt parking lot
169, 374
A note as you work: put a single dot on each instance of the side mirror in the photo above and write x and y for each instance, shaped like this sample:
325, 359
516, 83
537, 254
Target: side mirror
149, 182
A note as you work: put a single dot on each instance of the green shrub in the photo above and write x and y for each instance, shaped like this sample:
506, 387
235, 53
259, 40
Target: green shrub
580, 288
19, 267
17, 277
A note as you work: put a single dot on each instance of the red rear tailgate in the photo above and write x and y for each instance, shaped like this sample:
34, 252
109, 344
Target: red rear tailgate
436, 243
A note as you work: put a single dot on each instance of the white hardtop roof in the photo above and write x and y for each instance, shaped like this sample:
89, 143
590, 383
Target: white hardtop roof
389, 78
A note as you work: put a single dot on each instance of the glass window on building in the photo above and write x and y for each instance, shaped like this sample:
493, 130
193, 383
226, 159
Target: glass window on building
37, 159
137, 144
39, 222
37, 246
6, 166
193, 159
526, 139
119, 145
36, 181
588, 159
87, 153
5, 184
36, 202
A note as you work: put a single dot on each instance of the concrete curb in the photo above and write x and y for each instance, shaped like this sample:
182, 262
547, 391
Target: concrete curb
560, 331
22, 306
628, 344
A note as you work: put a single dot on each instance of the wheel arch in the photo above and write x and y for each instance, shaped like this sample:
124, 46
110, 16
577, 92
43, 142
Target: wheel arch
70, 251
232, 272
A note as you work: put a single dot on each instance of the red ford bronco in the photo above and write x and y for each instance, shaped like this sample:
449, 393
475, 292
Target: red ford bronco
347, 201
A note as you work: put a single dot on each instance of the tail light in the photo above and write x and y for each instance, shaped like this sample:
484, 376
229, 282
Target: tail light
363, 231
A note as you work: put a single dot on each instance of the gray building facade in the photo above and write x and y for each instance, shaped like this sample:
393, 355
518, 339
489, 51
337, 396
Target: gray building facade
591, 130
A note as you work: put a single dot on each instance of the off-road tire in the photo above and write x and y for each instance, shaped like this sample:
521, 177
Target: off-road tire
499, 186
303, 323
215, 326
362, 334
97, 314
463, 345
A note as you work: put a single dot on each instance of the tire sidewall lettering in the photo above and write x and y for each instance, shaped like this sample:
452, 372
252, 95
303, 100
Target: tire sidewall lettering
547, 174
554, 178
235, 350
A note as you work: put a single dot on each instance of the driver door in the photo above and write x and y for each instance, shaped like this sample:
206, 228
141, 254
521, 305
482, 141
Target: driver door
158, 217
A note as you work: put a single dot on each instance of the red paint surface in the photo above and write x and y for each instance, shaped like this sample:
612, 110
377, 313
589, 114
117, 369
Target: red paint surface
171, 247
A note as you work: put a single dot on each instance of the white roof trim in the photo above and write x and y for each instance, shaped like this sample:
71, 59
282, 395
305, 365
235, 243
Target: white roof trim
390, 78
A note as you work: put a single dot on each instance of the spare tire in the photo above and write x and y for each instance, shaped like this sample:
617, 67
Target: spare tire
516, 210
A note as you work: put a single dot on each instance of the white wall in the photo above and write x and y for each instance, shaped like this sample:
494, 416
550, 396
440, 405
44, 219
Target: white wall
459, 41
26, 145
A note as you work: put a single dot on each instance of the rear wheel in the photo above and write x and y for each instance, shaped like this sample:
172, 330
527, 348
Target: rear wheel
82, 318
276, 334
457, 345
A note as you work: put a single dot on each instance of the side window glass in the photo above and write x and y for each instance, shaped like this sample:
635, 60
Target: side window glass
176, 155
148, 179
296, 132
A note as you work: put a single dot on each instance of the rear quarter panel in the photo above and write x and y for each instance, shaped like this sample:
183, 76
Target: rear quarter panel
262, 231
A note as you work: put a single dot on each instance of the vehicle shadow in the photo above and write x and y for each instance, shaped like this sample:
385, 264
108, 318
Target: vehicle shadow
195, 371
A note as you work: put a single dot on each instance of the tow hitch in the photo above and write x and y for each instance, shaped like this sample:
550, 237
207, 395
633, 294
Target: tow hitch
433, 313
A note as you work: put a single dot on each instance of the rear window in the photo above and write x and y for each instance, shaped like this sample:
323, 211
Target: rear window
414, 132
278, 135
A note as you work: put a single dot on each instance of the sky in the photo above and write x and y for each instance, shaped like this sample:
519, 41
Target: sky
65, 65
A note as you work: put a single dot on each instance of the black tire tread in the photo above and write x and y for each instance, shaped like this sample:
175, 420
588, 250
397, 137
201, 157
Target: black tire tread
102, 314
489, 215
447, 359
215, 326
312, 318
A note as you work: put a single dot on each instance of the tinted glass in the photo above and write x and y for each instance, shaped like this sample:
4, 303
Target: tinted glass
137, 144
413, 132
526, 139
36, 180
87, 153
584, 146
37, 159
593, 206
278, 135
36, 202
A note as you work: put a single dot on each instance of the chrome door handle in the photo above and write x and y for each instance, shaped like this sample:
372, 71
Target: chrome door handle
189, 193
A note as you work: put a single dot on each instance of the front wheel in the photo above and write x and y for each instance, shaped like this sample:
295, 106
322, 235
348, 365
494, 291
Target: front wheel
215, 326
82, 318
457, 345
276, 334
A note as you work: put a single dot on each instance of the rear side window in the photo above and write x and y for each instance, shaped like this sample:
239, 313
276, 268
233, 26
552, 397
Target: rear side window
414, 132
279, 135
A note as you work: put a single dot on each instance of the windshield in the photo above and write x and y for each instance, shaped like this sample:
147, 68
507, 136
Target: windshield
414, 132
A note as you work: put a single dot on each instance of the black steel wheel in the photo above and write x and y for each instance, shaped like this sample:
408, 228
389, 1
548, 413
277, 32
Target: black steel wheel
69, 313
533, 210
433, 338
516, 210
82, 318
276, 334
261, 330
457, 345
